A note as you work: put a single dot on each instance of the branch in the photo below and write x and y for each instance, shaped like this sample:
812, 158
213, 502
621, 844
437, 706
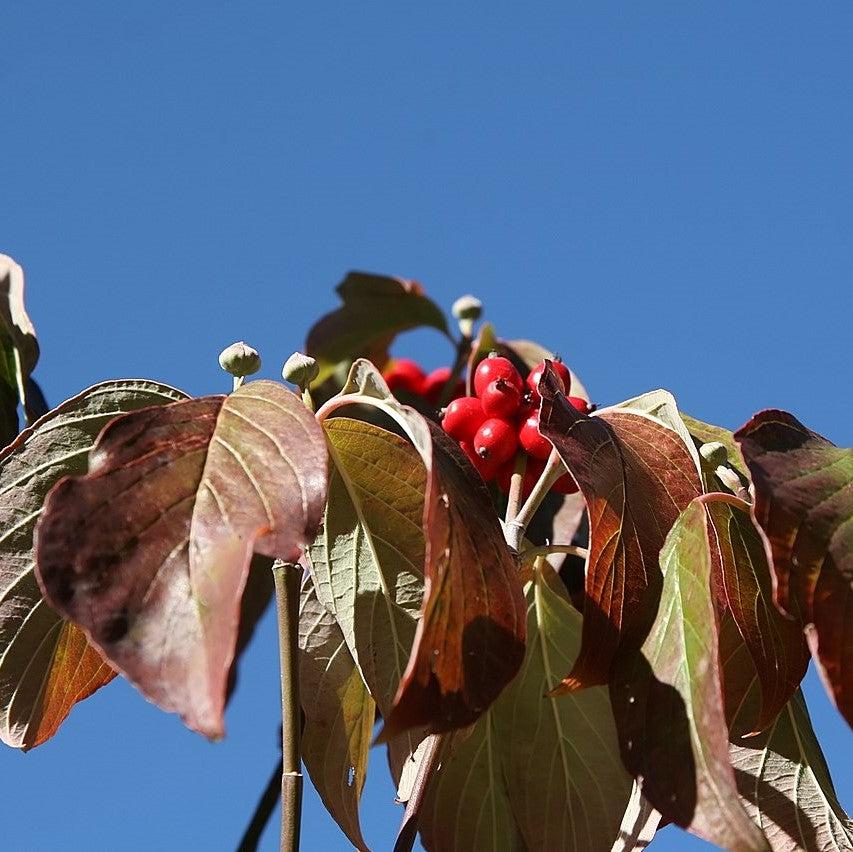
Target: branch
288, 577
429, 763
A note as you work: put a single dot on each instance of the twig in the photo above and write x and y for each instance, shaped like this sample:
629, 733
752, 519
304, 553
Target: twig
263, 811
287, 581
516, 482
463, 348
429, 763
515, 529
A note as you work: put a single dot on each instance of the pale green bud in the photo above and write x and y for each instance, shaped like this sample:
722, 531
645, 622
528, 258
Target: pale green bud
300, 370
239, 360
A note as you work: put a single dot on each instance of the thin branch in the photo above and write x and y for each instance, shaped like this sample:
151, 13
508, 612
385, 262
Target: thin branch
515, 529
463, 349
263, 811
429, 764
287, 581
516, 483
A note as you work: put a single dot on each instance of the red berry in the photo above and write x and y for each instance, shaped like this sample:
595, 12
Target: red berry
500, 399
580, 404
434, 383
403, 374
496, 440
529, 438
486, 467
563, 374
565, 484
495, 367
463, 417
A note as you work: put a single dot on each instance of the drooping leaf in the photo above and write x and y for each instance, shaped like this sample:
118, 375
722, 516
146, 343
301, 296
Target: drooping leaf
804, 506
46, 664
640, 822
636, 474
375, 309
743, 582
470, 637
339, 715
149, 551
19, 349
536, 773
781, 774
668, 703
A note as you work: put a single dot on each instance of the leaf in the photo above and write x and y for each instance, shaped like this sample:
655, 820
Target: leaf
804, 507
668, 701
149, 552
639, 823
706, 433
470, 637
781, 774
339, 715
744, 586
19, 349
467, 805
46, 664
636, 474
375, 309
536, 773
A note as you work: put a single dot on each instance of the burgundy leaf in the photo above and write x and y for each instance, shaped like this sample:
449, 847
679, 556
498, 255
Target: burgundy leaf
636, 476
804, 506
149, 552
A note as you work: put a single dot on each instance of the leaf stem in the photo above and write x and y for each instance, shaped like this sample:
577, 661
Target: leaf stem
429, 764
515, 529
287, 578
544, 550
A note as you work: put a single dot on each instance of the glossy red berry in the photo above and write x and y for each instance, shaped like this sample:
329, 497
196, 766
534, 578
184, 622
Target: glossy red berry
496, 367
433, 385
565, 484
496, 440
501, 399
563, 374
486, 467
463, 417
580, 404
529, 438
404, 374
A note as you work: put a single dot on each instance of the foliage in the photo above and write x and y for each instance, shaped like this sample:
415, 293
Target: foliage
552, 670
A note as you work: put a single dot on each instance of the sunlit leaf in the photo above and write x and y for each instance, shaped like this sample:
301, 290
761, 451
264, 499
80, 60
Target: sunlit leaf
339, 715
536, 773
19, 349
781, 774
46, 664
742, 578
668, 703
636, 474
375, 309
470, 637
804, 505
149, 552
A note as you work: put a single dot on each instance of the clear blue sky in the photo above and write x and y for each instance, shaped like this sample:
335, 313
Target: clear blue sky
662, 192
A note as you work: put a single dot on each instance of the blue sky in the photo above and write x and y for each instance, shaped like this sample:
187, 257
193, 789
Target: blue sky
661, 192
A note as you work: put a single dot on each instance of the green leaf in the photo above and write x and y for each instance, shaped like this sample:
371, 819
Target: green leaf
19, 349
46, 664
668, 701
470, 637
781, 774
706, 433
149, 552
375, 309
535, 773
636, 473
744, 587
804, 507
367, 561
339, 715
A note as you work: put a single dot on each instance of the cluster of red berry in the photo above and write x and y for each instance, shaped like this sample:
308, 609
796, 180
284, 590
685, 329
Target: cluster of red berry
503, 418
405, 375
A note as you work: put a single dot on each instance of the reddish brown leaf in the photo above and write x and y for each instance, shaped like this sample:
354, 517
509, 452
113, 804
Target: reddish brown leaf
744, 587
804, 506
149, 552
470, 638
636, 476
46, 664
